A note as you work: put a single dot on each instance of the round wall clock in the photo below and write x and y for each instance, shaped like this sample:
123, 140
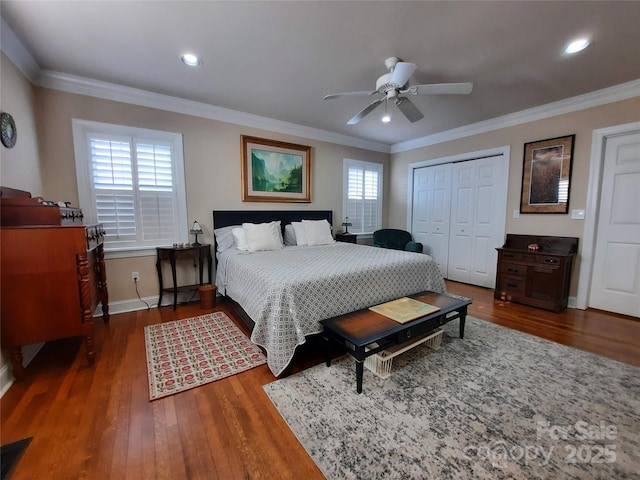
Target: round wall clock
9, 132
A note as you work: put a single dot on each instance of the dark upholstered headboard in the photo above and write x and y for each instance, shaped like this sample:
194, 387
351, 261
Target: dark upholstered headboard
225, 218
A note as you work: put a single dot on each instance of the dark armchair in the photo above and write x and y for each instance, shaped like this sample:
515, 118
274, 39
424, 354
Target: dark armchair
396, 240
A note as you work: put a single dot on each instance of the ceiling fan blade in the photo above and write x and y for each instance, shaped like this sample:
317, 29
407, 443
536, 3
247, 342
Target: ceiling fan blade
366, 111
402, 73
409, 109
441, 89
348, 94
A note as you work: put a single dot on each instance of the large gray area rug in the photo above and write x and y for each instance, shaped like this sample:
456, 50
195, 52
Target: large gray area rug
499, 404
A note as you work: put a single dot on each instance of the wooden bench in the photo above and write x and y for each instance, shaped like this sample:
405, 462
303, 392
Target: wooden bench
357, 331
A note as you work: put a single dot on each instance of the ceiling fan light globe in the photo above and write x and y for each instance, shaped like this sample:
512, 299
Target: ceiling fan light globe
391, 62
386, 118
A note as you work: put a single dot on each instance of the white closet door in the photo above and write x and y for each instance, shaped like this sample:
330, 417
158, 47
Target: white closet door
431, 211
478, 211
615, 281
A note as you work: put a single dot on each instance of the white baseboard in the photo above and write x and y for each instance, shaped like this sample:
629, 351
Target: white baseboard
572, 302
134, 304
29, 352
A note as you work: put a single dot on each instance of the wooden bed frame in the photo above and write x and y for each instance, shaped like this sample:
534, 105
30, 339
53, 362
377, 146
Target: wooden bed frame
226, 218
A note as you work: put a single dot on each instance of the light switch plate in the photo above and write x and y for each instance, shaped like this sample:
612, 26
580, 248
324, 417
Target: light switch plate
516, 213
577, 214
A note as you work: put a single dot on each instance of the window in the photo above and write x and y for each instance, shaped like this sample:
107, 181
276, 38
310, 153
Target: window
132, 181
362, 195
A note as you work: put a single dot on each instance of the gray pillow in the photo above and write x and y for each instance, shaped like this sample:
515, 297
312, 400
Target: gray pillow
224, 237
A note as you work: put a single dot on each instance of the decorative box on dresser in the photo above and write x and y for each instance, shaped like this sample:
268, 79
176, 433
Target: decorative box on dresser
536, 270
53, 275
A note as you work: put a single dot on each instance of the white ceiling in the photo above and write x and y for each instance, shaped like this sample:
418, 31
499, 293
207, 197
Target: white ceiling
278, 59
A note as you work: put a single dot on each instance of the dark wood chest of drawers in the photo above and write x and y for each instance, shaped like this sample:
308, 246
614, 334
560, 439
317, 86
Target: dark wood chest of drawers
538, 277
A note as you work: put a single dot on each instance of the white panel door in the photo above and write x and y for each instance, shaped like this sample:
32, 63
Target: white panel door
615, 282
478, 209
461, 229
431, 210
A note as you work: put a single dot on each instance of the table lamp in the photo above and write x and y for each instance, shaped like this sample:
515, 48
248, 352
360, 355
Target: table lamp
196, 230
346, 224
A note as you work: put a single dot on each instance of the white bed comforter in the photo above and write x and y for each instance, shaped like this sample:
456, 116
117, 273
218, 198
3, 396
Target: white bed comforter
287, 292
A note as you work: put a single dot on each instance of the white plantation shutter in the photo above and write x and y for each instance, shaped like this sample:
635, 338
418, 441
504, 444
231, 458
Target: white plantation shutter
113, 184
157, 197
137, 185
363, 195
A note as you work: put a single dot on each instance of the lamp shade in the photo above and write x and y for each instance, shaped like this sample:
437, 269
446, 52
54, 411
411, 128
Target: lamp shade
195, 228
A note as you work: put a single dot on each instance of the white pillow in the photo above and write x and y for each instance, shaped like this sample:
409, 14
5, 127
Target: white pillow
301, 236
318, 232
224, 237
263, 236
289, 235
240, 239
279, 225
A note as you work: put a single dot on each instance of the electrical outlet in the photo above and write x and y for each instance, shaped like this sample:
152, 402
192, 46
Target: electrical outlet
135, 276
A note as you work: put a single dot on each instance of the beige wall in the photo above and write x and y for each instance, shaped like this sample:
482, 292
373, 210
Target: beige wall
212, 168
580, 123
20, 165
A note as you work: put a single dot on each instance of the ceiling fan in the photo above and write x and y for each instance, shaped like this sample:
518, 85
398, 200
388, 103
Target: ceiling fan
395, 83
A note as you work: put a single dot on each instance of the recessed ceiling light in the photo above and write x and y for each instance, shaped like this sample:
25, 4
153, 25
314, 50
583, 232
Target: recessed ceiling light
191, 60
576, 45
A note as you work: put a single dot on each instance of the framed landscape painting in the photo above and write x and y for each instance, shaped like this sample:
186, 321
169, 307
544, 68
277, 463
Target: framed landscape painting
274, 171
546, 175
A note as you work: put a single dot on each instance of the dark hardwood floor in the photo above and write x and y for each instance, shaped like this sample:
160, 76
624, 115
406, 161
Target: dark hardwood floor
97, 422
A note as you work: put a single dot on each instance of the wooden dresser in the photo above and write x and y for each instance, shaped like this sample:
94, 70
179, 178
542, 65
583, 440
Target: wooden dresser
53, 275
538, 277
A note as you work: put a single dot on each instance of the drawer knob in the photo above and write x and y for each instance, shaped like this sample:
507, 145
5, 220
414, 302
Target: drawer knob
408, 333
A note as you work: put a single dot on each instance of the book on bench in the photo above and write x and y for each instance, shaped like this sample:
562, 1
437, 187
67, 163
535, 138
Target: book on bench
404, 309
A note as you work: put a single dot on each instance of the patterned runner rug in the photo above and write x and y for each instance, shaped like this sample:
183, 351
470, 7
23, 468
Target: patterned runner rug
188, 353
499, 404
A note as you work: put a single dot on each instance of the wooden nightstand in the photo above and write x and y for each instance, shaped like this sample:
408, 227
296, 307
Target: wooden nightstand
201, 252
346, 237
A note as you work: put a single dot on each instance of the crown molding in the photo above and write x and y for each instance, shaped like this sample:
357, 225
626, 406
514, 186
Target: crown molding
600, 97
118, 93
17, 53
22, 59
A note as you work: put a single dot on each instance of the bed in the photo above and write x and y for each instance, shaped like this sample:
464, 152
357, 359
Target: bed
285, 292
